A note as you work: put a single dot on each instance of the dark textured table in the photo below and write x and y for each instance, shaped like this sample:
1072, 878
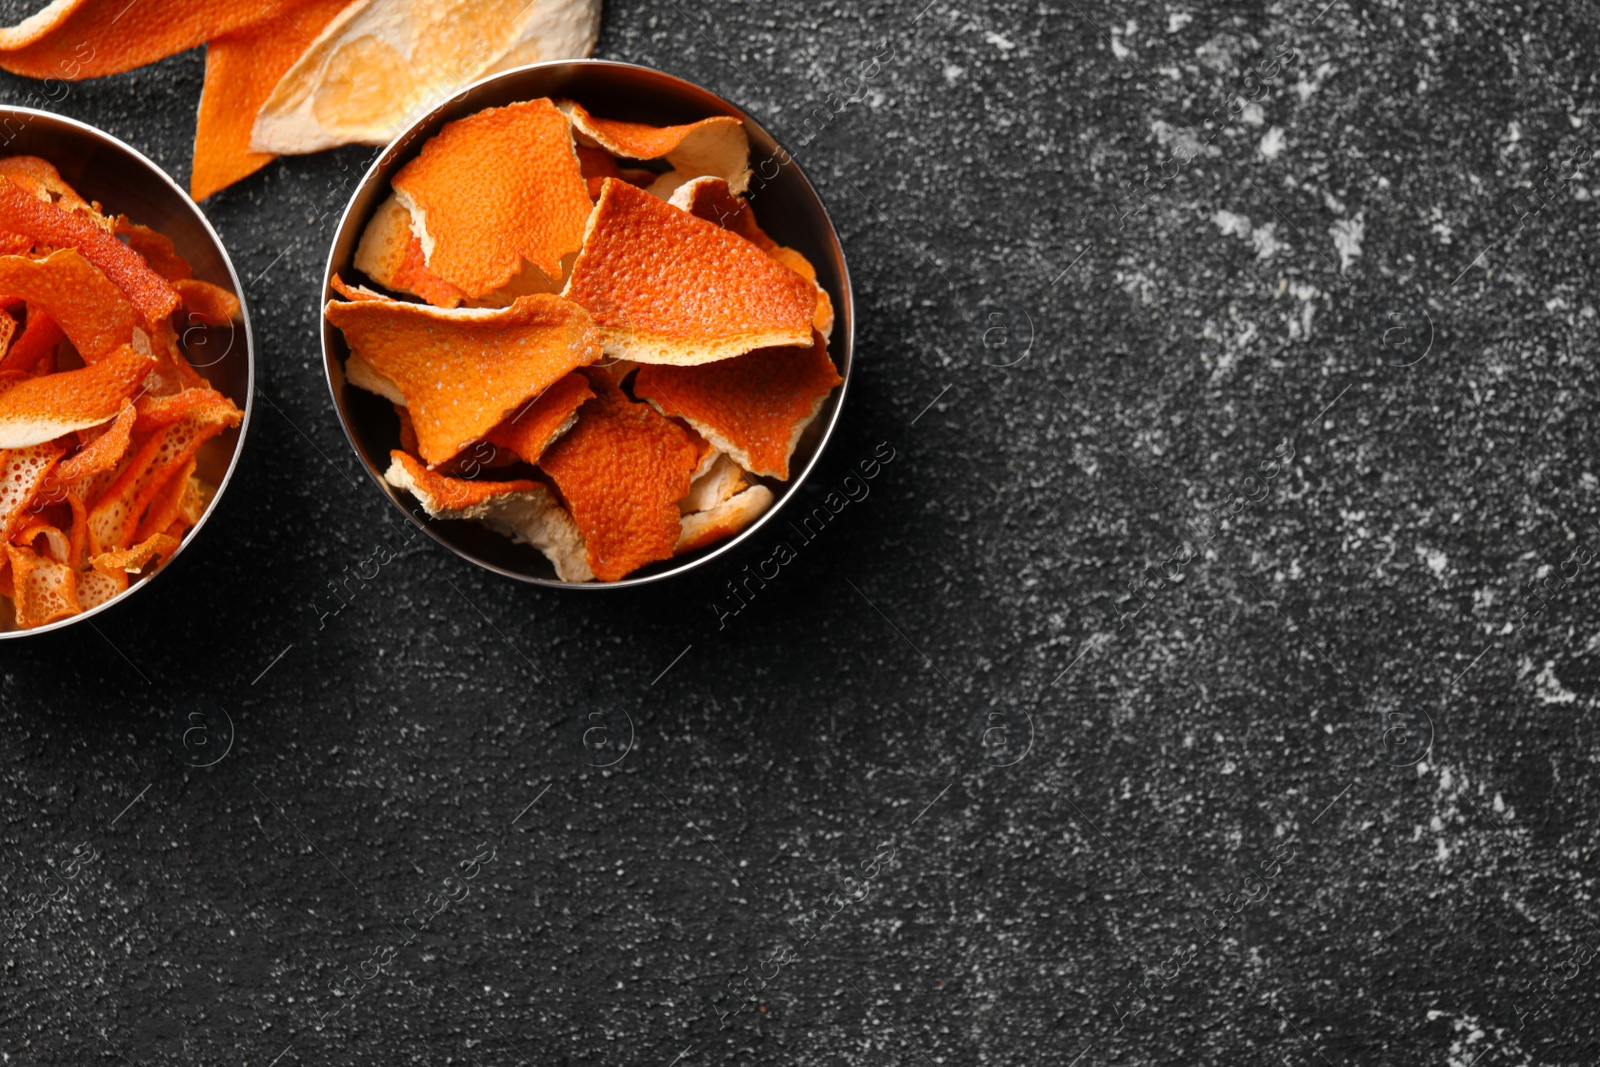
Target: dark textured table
1208, 677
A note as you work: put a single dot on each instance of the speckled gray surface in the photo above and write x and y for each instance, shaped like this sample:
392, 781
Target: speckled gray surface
1095, 295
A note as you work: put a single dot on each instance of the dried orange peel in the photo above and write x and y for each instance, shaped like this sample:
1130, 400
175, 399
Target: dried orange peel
73, 39
622, 470
44, 408
713, 336
102, 418
89, 309
493, 190
667, 287
47, 224
294, 76
711, 199
243, 68
536, 425
716, 146
462, 372
379, 63
754, 407
702, 528
205, 303
390, 253
524, 510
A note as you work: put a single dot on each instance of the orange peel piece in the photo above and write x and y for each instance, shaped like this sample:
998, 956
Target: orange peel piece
98, 587
75, 295
48, 224
724, 520
58, 546
23, 472
114, 515
494, 189
157, 249
714, 483
44, 589
449, 498
622, 470
75, 39
390, 253
135, 559
206, 303
537, 424
667, 287
166, 507
712, 200
104, 452
462, 372
242, 69
380, 63
42, 409
717, 146
39, 178
526, 511
39, 341
201, 402
354, 292
754, 407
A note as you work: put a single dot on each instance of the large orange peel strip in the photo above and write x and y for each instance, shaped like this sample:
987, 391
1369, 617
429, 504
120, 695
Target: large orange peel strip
44, 589
622, 470
754, 407
537, 424
494, 189
716, 146
242, 69
462, 372
88, 307
42, 409
74, 39
667, 287
48, 224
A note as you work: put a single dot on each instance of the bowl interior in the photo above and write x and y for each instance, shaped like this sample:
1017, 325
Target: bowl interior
784, 201
103, 169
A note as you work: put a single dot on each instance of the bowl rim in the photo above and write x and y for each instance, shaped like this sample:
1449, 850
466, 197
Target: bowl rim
402, 142
250, 365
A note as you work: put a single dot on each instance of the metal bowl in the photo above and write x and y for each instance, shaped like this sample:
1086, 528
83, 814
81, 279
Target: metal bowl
103, 169
785, 202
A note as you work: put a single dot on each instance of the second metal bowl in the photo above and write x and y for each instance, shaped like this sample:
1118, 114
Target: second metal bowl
787, 206
102, 168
